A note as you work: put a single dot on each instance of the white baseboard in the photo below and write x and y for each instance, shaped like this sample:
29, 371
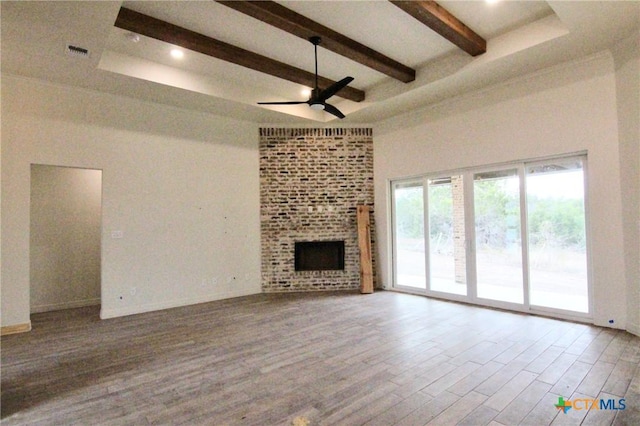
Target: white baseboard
139, 309
64, 305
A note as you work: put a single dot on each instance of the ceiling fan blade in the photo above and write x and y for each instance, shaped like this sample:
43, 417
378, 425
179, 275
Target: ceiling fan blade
283, 103
333, 110
319, 97
334, 88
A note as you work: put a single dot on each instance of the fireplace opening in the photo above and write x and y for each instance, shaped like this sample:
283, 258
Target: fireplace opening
319, 255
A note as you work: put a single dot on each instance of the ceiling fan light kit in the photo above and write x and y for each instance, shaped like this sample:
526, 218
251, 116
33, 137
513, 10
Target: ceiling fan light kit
318, 99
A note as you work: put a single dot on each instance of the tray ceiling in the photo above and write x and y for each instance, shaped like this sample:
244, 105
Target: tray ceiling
521, 36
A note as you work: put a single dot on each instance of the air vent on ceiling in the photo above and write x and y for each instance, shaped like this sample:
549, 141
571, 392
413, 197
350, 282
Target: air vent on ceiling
77, 51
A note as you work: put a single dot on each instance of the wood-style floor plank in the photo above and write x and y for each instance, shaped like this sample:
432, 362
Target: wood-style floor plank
317, 359
596, 378
520, 406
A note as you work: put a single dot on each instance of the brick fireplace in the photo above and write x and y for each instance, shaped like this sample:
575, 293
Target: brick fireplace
311, 181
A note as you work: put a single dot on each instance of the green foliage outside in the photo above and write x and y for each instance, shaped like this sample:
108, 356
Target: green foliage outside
557, 222
440, 211
497, 214
409, 212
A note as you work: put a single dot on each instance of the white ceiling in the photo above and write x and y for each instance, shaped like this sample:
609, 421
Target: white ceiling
522, 36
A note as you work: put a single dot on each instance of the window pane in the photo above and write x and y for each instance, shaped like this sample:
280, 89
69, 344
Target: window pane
409, 236
447, 255
498, 243
557, 241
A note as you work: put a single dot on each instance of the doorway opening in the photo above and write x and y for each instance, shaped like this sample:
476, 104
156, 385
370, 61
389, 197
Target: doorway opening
65, 237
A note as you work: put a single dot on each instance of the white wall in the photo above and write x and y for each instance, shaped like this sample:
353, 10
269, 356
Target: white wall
181, 187
567, 109
65, 228
627, 63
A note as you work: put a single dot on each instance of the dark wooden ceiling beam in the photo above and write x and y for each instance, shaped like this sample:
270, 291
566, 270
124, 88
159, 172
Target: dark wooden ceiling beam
148, 26
292, 22
444, 23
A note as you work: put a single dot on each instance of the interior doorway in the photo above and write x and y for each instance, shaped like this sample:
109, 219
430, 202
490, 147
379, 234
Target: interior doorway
65, 237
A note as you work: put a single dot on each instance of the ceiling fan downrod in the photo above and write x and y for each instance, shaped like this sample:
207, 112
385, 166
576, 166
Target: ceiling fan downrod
315, 40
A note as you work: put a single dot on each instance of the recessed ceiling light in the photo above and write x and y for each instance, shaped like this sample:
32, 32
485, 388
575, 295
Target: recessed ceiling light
305, 92
492, 1
177, 53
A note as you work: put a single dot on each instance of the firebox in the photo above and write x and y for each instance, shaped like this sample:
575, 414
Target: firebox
319, 255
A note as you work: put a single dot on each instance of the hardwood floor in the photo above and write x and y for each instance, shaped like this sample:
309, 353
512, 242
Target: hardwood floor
316, 359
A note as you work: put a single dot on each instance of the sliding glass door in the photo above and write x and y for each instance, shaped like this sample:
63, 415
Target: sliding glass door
496, 200
557, 238
408, 235
433, 260
447, 257
511, 236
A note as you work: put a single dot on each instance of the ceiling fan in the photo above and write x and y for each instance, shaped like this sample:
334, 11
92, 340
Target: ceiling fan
318, 99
